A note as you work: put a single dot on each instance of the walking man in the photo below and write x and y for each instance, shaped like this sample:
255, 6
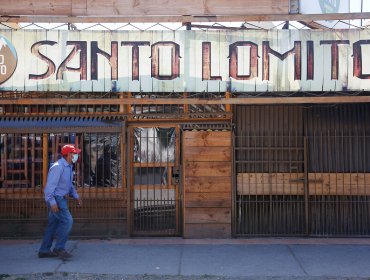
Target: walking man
58, 188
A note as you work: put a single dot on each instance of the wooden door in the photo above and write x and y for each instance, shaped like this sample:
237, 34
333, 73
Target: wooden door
207, 162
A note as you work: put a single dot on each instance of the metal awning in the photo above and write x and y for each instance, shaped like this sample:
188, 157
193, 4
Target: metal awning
58, 125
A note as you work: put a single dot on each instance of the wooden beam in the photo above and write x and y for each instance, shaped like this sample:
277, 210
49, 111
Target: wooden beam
313, 25
293, 184
194, 101
180, 18
90, 193
143, 8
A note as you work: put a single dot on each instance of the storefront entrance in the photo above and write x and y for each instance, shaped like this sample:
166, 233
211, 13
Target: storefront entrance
154, 180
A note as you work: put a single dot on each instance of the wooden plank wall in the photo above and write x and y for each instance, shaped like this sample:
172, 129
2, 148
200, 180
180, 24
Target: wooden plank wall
114, 8
207, 178
293, 184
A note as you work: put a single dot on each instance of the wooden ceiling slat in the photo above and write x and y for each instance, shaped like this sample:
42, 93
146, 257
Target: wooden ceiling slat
40, 7
106, 11
227, 18
186, 7
79, 7
88, 8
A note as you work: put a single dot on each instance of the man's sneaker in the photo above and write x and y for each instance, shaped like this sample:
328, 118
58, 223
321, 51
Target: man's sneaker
63, 254
48, 254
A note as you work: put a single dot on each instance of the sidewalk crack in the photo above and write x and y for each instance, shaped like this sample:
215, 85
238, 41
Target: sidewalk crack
297, 260
74, 246
58, 266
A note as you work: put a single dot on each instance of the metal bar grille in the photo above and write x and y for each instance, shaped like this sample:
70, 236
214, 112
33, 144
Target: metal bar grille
302, 170
269, 165
269, 185
155, 184
339, 144
98, 178
21, 160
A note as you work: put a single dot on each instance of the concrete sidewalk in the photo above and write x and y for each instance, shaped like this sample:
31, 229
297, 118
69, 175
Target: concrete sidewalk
280, 258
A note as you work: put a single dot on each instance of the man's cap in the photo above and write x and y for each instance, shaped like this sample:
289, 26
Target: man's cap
66, 149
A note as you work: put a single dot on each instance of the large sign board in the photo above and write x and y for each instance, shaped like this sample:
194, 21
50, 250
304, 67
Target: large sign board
185, 61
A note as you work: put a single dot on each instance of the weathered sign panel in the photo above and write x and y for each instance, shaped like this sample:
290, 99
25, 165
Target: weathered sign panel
185, 61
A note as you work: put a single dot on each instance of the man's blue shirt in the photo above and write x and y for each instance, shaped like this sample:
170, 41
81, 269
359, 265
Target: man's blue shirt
59, 181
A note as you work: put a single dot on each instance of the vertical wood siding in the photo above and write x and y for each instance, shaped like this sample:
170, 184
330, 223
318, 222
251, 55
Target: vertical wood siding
207, 184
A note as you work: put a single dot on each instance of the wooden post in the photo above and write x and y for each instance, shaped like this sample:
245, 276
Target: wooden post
186, 106
306, 194
78, 166
128, 106
33, 161
45, 161
121, 106
124, 176
5, 163
130, 181
228, 106
25, 157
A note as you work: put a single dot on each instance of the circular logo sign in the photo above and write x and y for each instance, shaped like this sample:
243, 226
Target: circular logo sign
8, 59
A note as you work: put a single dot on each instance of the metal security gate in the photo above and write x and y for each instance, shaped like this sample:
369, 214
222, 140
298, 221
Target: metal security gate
302, 170
269, 159
27, 149
339, 170
154, 181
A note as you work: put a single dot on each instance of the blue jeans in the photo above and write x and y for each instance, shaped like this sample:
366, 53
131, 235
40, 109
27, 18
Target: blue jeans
59, 225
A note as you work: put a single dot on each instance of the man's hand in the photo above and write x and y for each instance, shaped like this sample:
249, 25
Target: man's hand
54, 208
79, 201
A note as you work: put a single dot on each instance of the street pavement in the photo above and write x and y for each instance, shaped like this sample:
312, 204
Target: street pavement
282, 258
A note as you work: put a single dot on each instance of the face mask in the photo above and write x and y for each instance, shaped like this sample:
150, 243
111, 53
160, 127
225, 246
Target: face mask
75, 158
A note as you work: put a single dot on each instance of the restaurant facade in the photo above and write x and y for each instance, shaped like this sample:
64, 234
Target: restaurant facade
198, 134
